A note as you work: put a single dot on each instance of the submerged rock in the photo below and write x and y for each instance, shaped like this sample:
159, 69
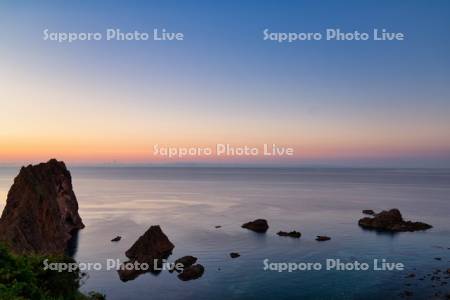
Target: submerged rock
234, 255
192, 272
391, 220
322, 238
368, 212
293, 234
41, 212
116, 239
258, 225
151, 248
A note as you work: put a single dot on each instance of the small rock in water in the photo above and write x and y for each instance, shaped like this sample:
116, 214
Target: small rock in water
322, 238
258, 225
438, 258
192, 272
218, 226
116, 239
183, 263
293, 234
368, 212
234, 255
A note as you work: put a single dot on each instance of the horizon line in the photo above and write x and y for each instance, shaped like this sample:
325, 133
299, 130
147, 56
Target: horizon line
231, 165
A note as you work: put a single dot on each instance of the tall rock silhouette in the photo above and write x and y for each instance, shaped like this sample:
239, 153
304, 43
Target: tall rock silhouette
41, 212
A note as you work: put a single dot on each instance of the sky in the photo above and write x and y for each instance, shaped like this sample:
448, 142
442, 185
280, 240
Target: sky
373, 103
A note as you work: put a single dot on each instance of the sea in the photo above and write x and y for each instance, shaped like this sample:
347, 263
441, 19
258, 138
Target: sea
190, 202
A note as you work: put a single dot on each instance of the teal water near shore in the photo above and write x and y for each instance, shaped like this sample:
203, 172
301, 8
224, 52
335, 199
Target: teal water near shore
189, 202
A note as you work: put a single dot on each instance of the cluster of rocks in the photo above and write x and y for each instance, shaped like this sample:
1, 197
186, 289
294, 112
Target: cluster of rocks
155, 246
261, 226
152, 248
390, 220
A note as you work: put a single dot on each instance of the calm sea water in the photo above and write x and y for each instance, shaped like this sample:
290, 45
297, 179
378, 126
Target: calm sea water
189, 202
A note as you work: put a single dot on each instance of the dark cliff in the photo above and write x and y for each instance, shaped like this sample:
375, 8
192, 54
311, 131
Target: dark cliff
41, 211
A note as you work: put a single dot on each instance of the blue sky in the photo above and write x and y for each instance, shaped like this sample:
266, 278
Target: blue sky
351, 101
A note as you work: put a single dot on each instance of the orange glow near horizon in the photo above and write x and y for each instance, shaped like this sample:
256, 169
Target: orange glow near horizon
72, 118
133, 151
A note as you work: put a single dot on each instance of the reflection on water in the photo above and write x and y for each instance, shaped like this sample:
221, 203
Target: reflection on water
189, 202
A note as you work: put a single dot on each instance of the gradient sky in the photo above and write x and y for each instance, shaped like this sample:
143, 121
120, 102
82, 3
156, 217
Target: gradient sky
347, 103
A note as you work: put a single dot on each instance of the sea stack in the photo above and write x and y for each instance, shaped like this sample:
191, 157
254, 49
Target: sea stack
41, 212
